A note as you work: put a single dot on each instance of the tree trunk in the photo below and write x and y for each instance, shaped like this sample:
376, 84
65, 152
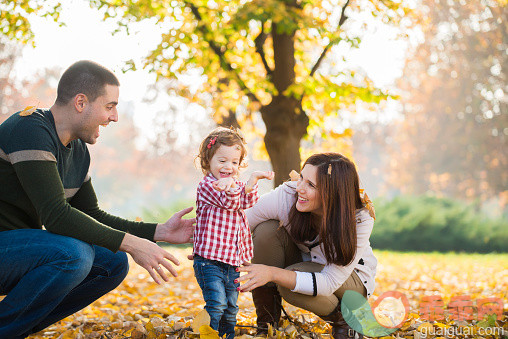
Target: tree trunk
286, 124
230, 120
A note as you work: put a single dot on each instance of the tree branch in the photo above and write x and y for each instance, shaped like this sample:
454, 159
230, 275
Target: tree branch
342, 19
219, 51
260, 41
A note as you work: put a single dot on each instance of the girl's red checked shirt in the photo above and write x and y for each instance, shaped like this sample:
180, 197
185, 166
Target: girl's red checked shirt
222, 232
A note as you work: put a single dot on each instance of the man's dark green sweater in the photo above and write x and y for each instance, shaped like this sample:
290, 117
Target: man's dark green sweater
43, 182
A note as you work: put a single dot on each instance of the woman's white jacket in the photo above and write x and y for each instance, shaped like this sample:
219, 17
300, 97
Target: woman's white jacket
277, 204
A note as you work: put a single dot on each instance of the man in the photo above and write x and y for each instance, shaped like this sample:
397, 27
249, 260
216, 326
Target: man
49, 274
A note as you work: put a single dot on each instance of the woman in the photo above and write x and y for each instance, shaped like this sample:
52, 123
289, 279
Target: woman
322, 248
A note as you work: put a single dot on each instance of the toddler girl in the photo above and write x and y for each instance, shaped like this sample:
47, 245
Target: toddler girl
222, 238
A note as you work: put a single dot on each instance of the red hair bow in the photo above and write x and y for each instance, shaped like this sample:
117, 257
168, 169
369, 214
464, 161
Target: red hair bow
212, 142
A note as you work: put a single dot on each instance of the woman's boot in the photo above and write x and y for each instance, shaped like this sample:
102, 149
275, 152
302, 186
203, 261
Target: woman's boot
267, 301
340, 328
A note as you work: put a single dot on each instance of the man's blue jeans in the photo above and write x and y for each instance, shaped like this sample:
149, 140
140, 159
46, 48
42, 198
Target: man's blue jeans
217, 281
47, 277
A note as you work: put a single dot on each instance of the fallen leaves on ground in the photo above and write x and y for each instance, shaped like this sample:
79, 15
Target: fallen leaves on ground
139, 308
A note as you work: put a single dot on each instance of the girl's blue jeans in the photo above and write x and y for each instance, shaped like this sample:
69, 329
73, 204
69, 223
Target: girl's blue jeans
217, 281
47, 277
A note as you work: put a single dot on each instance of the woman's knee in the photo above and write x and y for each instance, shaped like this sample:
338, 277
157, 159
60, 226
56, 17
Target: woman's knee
319, 305
306, 266
268, 249
265, 230
353, 283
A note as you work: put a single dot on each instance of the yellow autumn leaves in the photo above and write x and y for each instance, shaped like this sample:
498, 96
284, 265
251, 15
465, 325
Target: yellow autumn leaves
139, 308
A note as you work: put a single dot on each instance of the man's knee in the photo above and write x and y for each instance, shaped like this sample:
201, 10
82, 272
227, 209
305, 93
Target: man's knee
112, 266
75, 258
41, 253
121, 267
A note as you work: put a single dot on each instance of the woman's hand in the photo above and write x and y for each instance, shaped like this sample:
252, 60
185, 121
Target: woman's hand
257, 275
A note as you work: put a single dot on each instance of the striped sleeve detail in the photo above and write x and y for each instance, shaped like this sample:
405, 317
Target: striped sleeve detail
3, 156
304, 283
70, 192
31, 155
314, 284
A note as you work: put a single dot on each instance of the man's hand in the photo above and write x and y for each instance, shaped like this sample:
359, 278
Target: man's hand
176, 230
255, 176
149, 256
224, 184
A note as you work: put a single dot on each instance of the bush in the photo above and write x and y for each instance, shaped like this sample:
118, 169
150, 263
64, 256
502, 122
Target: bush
161, 214
434, 224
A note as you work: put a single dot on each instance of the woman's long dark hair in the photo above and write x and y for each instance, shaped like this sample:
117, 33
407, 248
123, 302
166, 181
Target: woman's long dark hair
339, 190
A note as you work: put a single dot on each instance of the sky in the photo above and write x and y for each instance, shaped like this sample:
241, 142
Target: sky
86, 36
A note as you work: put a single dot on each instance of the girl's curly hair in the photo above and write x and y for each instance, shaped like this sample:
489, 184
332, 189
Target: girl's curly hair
220, 136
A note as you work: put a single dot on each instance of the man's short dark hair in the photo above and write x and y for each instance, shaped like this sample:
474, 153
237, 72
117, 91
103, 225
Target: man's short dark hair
85, 77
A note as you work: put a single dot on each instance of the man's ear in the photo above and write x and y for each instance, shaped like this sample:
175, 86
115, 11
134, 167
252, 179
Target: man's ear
80, 102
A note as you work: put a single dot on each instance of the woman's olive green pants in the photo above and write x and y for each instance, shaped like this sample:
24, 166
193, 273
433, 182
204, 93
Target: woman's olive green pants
274, 247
